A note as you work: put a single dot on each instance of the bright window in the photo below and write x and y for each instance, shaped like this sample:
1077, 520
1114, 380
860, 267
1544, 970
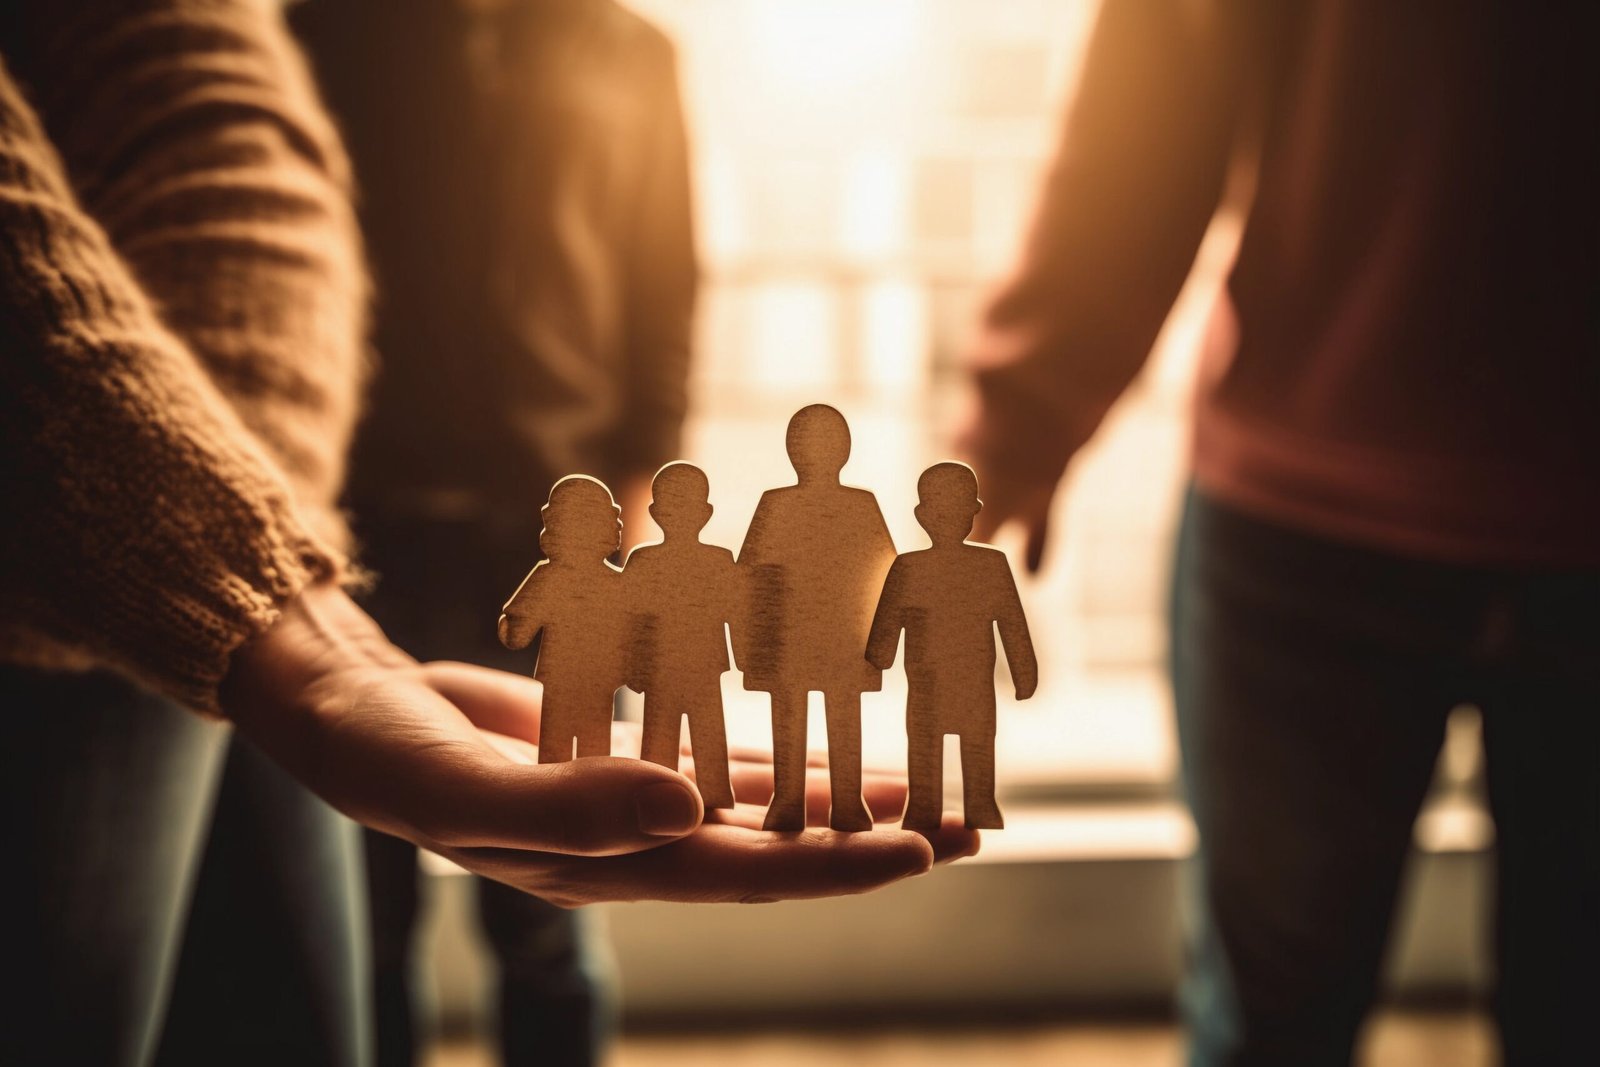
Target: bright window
864, 171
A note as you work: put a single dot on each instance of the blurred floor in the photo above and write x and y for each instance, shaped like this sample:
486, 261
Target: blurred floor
1396, 1039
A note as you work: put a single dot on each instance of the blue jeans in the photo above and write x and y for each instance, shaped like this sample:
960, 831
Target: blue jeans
1312, 682
139, 935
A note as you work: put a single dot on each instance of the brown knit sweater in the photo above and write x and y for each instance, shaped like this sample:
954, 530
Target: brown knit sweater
180, 335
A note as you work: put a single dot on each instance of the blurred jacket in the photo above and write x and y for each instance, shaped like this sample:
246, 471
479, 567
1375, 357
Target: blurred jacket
1407, 352
524, 182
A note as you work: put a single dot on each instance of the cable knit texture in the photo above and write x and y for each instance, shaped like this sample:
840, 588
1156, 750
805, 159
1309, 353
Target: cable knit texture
180, 335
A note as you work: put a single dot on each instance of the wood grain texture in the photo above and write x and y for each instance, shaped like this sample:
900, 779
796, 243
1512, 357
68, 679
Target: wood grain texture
574, 602
814, 559
815, 602
683, 595
948, 599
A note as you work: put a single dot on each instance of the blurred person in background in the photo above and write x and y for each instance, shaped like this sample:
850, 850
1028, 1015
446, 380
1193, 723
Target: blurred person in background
524, 190
181, 311
1396, 470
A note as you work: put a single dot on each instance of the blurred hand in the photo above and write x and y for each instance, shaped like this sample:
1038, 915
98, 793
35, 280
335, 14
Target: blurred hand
1009, 497
1012, 493
412, 749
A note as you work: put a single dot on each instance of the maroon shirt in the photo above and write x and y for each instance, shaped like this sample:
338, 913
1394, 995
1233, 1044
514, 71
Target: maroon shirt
1407, 353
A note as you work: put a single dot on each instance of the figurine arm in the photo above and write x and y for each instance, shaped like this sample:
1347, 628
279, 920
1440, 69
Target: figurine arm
888, 621
1137, 176
1014, 633
754, 576
736, 612
663, 274
521, 619
754, 548
881, 534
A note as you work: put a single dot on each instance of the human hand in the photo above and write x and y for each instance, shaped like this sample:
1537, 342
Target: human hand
1011, 492
403, 747
731, 838
1009, 498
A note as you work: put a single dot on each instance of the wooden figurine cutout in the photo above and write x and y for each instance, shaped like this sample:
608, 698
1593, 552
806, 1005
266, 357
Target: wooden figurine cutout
683, 592
573, 602
949, 598
815, 557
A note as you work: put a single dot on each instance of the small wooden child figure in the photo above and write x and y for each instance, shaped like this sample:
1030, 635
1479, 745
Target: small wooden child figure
948, 599
683, 592
573, 602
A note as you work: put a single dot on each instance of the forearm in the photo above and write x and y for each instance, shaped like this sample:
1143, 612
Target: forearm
1134, 184
201, 149
144, 531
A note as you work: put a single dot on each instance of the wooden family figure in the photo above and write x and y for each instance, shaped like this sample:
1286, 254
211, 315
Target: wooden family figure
683, 592
573, 602
948, 599
815, 602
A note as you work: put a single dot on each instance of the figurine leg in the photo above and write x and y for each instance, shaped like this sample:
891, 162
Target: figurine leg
709, 740
555, 731
555, 750
788, 808
925, 774
977, 782
594, 729
849, 811
663, 722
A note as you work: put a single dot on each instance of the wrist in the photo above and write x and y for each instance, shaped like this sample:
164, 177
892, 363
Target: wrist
320, 633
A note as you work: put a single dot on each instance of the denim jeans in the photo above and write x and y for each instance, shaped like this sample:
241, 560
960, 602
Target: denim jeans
441, 586
141, 936
1312, 683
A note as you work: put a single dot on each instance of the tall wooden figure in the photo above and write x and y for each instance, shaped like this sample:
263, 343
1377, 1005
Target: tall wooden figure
815, 556
683, 592
573, 602
948, 599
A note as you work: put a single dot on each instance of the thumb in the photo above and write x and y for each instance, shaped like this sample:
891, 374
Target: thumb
590, 807
597, 806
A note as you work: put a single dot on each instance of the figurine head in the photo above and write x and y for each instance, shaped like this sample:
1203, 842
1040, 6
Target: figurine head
680, 500
818, 443
947, 502
582, 524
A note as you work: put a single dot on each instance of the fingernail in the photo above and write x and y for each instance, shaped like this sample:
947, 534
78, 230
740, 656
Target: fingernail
667, 809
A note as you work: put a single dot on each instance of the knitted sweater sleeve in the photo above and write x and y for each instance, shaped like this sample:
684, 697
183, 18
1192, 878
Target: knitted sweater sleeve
191, 133
154, 457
